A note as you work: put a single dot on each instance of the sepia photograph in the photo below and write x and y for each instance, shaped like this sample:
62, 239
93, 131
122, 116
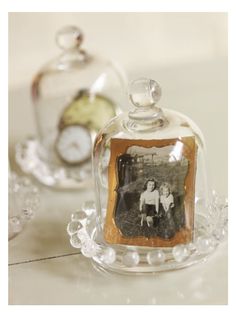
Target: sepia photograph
150, 195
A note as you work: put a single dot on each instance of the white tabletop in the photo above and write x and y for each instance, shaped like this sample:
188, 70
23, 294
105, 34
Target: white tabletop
45, 269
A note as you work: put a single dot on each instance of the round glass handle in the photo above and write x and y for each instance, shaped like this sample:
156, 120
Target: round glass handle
69, 37
144, 93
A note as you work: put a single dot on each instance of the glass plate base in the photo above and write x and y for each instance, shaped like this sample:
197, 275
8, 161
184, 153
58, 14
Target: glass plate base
210, 230
49, 174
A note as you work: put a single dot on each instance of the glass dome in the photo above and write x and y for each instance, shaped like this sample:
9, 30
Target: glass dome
74, 96
154, 209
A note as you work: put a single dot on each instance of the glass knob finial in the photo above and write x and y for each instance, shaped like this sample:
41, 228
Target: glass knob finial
144, 92
69, 37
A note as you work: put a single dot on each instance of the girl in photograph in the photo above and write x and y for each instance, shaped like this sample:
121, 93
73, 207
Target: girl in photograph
167, 225
149, 202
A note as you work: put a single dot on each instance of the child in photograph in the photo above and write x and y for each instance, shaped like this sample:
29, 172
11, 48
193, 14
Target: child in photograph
166, 199
167, 203
149, 202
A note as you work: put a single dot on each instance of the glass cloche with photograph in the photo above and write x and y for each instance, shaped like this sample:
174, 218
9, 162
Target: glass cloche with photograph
154, 207
74, 96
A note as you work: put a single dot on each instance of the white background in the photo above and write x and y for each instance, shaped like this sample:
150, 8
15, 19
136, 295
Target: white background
137, 40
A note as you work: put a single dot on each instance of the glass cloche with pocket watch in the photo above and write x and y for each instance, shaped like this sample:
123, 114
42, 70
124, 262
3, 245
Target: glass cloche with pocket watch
154, 208
73, 96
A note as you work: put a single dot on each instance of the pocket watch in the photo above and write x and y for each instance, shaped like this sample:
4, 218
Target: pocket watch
88, 109
74, 144
85, 114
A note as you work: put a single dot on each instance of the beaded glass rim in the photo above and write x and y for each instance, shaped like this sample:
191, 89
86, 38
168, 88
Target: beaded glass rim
24, 201
210, 231
28, 159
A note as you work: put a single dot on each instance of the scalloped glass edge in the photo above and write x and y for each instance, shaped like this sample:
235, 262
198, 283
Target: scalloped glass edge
210, 230
27, 158
24, 201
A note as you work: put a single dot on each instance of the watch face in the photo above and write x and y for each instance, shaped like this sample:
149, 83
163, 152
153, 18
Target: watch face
74, 144
91, 110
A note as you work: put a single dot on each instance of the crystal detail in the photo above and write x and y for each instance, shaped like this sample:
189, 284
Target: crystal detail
75, 241
191, 246
69, 37
131, 259
218, 216
83, 235
78, 215
90, 226
89, 248
29, 160
220, 234
73, 227
144, 92
204, 245
108, 255
28, 212
23, 202
180, 252
92, 242
156, 257
88, 207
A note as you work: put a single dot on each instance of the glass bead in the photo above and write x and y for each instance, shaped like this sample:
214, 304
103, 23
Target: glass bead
89, 249
88, 207
75, 241
23, 202
191, 246
69, 37
78, 215
108, 255
83, 235
131, 258
90, 226
73, 227
220, 234
156, 257
204, 245
180, 252
28, 213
